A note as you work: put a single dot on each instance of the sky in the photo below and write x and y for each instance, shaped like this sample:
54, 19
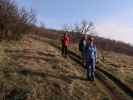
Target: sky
112, 18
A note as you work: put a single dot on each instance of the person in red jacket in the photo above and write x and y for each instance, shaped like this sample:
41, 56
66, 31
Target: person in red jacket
65, 42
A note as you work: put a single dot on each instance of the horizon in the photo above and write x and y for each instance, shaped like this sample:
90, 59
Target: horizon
112, 19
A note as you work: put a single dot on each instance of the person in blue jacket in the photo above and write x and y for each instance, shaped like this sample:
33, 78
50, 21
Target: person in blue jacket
90, 58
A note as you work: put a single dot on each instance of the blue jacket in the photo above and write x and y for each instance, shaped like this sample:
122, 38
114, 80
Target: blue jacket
90, 52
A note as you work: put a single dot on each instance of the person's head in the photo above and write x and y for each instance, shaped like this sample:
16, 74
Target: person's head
91, 39
84, 37
65, 34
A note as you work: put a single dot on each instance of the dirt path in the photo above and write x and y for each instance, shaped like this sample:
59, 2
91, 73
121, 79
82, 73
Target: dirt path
120, 84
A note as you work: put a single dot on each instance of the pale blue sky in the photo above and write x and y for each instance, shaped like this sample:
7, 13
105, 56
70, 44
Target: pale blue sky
112, 18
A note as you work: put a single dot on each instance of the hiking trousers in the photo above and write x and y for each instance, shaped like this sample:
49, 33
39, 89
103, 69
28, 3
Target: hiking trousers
90, 66
64, 50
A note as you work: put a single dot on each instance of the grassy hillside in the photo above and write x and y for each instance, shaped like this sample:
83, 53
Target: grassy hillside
102, 43
35, 70
32, 67
105, 66
120, 65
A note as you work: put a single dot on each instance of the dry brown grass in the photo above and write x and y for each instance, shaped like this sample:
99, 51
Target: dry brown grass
39, 72
121, 66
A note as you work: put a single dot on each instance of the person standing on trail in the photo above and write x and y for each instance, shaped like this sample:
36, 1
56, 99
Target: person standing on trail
90, 56
65, 42
82, 45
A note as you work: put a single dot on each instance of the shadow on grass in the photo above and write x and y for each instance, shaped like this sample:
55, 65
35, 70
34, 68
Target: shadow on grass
28, 54
27, 57
67, 78
28, 51
18, 94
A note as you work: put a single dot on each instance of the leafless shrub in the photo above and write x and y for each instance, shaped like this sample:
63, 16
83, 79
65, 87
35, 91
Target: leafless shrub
14, 22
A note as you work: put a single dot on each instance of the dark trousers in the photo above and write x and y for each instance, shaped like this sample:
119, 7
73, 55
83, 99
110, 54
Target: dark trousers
90, 65
82, 53
64, 50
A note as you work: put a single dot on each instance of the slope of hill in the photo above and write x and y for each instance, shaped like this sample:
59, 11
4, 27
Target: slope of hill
120, 65
35, 70
119, 80
102, 43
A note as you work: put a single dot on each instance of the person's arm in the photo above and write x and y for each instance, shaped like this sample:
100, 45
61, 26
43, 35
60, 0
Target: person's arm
85, 53
68, 40
95, 53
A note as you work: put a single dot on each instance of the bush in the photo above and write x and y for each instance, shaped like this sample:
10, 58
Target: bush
14, 22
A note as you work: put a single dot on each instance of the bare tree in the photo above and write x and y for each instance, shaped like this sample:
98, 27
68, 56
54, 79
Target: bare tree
86, 27
68, 28
83, 28
77, 28
14, 21
42, 25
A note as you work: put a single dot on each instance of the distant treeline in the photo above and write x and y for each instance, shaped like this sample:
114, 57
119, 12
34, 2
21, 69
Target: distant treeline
113, 45
102, 43
14, 21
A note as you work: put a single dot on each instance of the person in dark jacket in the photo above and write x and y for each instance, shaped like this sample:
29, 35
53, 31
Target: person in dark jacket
90, 58
82, 45
65, 43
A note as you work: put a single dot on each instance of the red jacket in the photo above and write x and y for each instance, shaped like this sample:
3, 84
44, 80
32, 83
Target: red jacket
65, 40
